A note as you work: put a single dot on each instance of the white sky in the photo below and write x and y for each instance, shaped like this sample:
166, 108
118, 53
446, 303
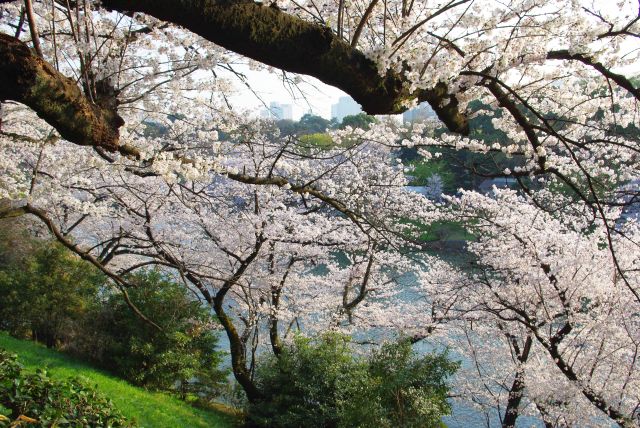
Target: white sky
270, 87
318, 97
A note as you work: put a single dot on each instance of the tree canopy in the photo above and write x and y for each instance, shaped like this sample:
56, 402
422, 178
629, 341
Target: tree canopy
277, 236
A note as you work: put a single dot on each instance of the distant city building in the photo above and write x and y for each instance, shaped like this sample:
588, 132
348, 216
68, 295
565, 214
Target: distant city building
346, 107
278, 111
418, 114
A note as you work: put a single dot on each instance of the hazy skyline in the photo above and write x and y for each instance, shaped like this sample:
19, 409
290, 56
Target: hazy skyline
270, 88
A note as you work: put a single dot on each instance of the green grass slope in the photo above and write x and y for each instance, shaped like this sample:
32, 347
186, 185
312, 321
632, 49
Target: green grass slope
148, 409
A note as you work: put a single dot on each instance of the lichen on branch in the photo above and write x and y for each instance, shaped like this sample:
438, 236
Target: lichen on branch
273, 37
55, 98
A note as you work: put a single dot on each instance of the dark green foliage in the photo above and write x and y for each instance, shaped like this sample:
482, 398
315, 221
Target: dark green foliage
49, 402
287, 127
44, 289
322, 384
305, 385
312, 124
308, 124
482, 125
405, 390
362, 121
423, 171
464, 168
181, 357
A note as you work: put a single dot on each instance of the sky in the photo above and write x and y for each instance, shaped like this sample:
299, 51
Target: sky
317, 96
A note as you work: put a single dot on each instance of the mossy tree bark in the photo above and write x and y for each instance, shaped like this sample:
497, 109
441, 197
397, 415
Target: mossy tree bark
262, 33
273, 37
58, 100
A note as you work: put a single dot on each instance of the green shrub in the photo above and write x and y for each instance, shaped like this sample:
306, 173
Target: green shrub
305, 385
322, 384
40, 400
181, 357
402, 389
49, 294
44, 291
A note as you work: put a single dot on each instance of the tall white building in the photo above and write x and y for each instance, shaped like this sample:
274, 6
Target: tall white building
278, 111
346, 107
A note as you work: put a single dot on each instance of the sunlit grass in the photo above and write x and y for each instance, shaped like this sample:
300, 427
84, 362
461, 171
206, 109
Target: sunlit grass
148, 409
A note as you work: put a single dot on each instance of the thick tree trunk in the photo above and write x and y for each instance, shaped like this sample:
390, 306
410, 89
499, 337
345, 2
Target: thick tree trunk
237, 349
58, 100
236, 345
273, 37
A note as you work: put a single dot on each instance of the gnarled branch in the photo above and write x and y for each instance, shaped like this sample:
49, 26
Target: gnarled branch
58, 100
273, 37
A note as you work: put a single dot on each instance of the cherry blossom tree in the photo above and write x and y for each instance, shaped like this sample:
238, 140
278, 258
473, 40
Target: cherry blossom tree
116, 133
547, 296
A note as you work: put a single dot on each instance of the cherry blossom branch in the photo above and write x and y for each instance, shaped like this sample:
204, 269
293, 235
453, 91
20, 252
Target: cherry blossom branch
120, 282
35, 38
621, 80
363, 21
276, 38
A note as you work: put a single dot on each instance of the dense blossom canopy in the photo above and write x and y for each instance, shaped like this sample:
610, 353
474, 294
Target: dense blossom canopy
116, 133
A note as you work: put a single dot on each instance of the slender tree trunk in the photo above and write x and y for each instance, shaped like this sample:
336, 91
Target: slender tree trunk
238, 357
517, 388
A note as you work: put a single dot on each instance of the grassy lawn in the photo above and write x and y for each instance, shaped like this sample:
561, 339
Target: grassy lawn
148, 409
